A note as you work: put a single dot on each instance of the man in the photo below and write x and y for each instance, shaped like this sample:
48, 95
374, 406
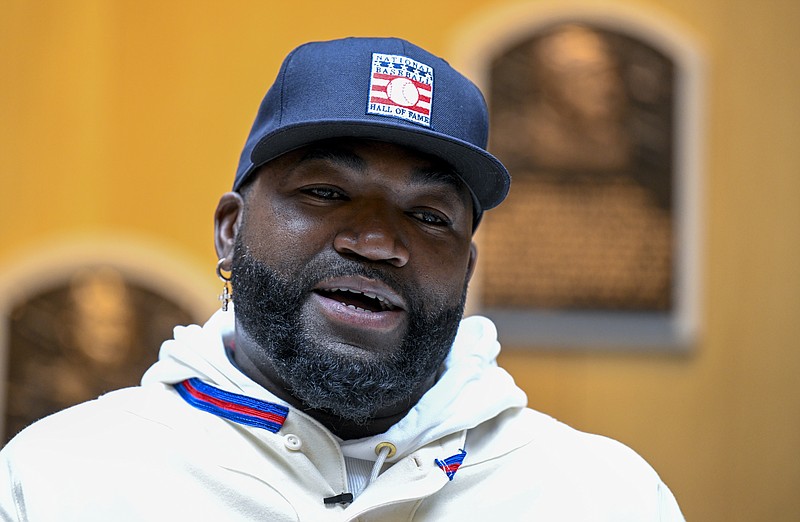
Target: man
342, 385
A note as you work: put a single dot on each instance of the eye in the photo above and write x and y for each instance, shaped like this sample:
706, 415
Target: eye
431, 217
325, 193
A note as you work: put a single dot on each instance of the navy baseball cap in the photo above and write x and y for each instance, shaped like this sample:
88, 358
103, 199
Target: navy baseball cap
385, 89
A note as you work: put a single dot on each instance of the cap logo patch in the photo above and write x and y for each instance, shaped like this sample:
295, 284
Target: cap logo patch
401, 88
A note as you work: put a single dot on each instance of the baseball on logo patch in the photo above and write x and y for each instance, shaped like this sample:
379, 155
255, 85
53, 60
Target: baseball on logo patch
402, 91
400, 87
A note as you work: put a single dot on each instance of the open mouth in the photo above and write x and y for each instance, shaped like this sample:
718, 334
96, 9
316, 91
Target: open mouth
360, 301
363, 311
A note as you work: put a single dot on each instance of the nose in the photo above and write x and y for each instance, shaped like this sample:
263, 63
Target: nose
373, 234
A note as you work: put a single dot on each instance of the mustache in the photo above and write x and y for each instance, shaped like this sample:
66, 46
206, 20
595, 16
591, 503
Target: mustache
322, 268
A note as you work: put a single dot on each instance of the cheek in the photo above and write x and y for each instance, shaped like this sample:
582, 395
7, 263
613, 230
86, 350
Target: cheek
443, 273
272, 232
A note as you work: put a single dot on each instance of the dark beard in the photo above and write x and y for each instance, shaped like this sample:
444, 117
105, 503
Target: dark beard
269, 308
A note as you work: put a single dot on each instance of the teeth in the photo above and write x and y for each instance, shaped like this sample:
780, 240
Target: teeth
358, 309
385, 305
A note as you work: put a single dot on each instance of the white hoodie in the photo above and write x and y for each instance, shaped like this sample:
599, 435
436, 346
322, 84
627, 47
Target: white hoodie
469, 449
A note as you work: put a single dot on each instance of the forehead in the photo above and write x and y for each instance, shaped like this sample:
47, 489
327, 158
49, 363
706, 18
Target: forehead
362, 155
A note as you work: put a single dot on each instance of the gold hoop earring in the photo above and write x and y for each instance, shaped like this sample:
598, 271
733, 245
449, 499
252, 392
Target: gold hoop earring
226, 295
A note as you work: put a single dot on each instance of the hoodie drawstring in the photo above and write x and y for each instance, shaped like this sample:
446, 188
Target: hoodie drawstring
384, 450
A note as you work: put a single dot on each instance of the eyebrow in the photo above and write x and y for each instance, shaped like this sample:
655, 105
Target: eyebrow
337, 155
440, 174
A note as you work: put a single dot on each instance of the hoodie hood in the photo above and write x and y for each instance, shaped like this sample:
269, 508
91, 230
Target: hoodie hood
470, 390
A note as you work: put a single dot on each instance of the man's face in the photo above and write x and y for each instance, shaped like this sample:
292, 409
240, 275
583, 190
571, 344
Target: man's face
350, 271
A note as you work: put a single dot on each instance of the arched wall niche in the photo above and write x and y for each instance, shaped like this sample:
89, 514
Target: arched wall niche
476, 48
92, 310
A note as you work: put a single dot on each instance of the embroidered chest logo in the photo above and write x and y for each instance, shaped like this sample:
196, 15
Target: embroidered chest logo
451, 464
401, 88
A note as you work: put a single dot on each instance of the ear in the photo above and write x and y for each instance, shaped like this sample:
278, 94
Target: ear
227, 221
472, 261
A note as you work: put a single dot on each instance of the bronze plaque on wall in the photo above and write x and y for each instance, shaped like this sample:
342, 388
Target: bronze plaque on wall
95, 333
583, 119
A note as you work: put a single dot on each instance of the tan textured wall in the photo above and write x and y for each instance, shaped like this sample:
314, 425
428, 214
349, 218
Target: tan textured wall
126, 118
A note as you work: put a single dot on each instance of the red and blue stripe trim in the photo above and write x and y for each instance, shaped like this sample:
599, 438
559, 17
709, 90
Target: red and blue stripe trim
232, 406
451, 464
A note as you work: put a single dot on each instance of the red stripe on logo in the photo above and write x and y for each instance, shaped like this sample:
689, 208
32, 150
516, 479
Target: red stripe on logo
390, 77
387, 101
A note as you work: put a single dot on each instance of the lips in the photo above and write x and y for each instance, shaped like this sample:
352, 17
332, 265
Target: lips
361, 303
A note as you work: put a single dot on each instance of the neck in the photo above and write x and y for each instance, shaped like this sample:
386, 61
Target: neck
348, 430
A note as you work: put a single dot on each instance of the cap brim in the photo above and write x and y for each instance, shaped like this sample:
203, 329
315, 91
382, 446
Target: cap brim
484, 175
